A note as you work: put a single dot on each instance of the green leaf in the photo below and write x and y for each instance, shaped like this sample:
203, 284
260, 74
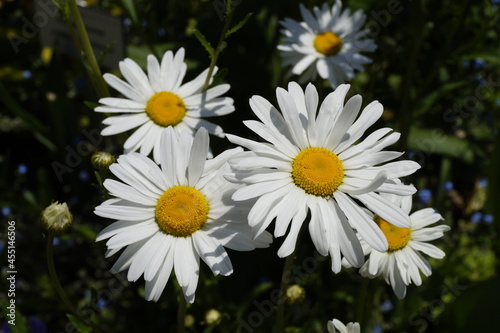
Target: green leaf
433, 97
21, 324
130, 7
239, 25
205, 43
86, 63
490, 56
105, 52
91, 105
38, 129
81, 327
433, 141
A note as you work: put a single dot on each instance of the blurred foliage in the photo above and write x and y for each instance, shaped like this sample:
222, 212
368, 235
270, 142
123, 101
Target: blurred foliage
436, 71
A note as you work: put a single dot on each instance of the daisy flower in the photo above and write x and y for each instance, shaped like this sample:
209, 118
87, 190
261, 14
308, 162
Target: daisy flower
335, 326
159, 100
401, 263
170, 217
312, 162
327, 43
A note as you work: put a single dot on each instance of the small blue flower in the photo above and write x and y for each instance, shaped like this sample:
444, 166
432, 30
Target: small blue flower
424, 195
483, 182
102, 304
377, 329
6, 211
488, 218
56, 241
27, 74
84, 175
476, 217
478, 63
22, 169
36, 326
448, 186
162, 32
127, 22
386, 306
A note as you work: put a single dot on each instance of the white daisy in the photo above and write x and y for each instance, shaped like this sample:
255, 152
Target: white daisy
171, 216
401, 263
312, 163
335, 326
158, 100
327, 44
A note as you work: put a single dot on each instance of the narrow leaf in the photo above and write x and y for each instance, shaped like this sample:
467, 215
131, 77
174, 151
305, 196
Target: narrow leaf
239, 25
205, 43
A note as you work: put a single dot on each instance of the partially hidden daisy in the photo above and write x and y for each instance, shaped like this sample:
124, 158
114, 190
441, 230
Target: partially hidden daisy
336, 325
402, 263
159, 100
314, 161
327, 43
171, 216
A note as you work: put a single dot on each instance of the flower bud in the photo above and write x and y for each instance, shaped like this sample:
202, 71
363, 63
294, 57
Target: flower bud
213, 317
102, 160
295, 294
57, 217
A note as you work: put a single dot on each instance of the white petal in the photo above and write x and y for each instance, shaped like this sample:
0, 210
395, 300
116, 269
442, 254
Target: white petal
198, 156
365, 226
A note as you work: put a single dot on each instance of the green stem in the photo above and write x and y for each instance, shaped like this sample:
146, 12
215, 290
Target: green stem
362, 300
285, 278
58, 287
221, 45
407, 107
181, 314
94, 71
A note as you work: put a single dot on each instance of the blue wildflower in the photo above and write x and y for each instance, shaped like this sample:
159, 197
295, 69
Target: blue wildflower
448, 186
424, 195
22, 169
488, 218
386, 306
476, 217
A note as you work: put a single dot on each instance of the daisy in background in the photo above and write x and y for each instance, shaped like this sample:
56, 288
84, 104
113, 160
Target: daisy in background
314, 161
402, 263
335, 326
159, 100
327, 43
170, 217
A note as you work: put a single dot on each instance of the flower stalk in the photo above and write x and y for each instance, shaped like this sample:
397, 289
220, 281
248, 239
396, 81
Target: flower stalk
221, 45
285, 281
90, 61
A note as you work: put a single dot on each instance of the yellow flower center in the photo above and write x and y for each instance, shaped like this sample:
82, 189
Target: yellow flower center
181, 211
327, 43
396, 237
166, 109
317, 171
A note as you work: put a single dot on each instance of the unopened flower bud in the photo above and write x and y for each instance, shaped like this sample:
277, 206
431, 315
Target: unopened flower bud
213, 317
57, 217
189, 320
102, 160
295, 294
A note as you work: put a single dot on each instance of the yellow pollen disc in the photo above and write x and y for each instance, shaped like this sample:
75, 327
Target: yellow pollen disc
181, 211
166, 109
327, 43
396, 237
317, 171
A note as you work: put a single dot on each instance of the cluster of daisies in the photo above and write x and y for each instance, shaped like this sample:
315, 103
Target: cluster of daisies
316, 166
